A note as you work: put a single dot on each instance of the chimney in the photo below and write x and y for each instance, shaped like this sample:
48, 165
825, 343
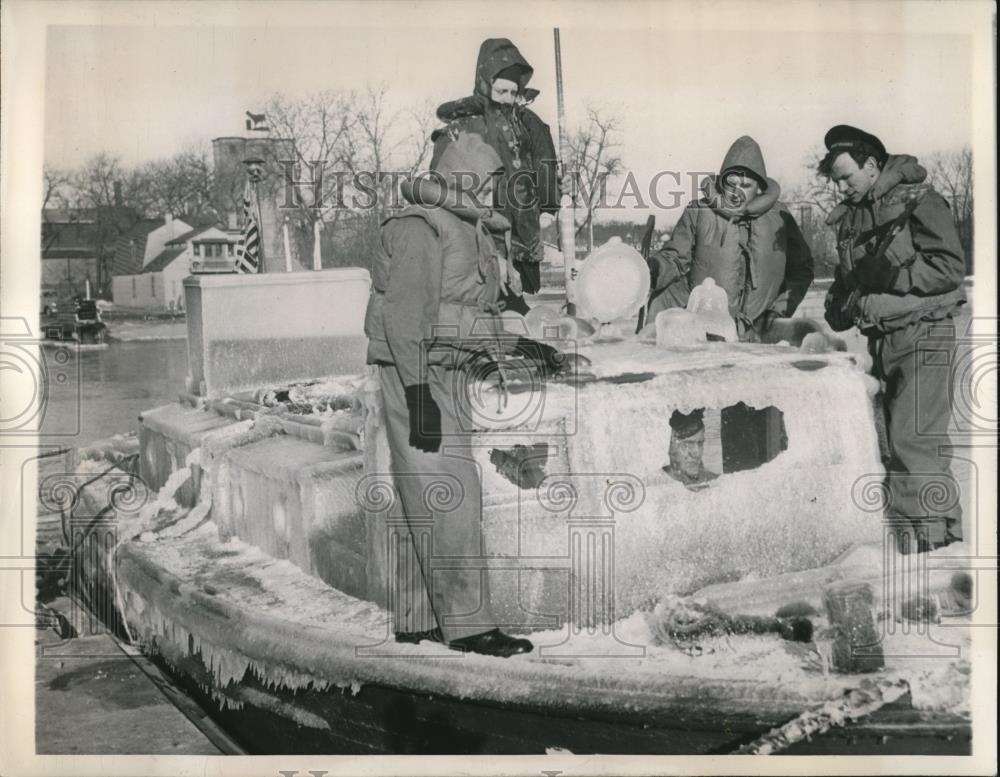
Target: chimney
231, 221
118, 194
168, 222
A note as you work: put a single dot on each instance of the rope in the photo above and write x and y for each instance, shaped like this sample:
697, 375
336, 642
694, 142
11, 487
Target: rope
856, 703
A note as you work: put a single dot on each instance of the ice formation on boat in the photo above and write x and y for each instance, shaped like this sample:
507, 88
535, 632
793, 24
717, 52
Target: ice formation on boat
262, 547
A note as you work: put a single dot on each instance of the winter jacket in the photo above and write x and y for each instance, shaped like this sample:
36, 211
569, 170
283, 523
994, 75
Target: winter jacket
520, 137
756, 253
929, 286
435, 280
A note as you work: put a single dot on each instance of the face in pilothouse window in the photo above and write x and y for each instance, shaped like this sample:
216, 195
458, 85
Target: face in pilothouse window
687, 449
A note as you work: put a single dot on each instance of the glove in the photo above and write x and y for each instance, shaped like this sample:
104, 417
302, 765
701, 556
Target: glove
875, 274
425, 418
548, 359
551, 362
833, 309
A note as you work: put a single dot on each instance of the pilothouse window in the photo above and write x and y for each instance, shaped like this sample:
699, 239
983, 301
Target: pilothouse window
751, 436
705, 443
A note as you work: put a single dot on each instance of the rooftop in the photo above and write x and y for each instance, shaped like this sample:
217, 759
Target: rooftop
163, 259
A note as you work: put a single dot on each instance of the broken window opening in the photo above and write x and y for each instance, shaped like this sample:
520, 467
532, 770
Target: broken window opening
751, 437
706, 443
522, 465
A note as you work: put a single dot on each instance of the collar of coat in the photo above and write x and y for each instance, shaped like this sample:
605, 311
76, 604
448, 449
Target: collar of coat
899, 169
430, 193
711, 197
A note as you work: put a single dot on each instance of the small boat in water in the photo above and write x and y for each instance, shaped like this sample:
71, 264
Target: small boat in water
79, 323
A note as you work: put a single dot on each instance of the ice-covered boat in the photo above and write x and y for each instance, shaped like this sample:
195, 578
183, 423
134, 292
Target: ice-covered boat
245, 538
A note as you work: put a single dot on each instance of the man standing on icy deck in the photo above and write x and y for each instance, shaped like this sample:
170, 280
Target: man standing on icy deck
498, 111
432, 315
900, 281
741, 236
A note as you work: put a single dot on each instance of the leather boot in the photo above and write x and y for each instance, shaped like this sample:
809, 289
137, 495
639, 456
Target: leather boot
492, 643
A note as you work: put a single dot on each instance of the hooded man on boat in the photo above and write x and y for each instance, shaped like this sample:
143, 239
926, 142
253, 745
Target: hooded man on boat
739, 234
528, 187
433, 321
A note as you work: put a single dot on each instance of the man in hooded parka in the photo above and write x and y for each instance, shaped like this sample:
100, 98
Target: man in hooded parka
431, 319
529, 186
741, 236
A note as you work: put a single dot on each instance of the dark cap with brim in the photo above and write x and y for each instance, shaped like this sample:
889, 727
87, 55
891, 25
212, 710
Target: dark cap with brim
687, 424
844, 137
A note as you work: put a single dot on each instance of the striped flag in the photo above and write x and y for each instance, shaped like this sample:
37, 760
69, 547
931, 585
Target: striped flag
248, 259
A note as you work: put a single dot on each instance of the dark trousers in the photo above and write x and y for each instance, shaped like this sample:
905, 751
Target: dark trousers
915, 367
436, 519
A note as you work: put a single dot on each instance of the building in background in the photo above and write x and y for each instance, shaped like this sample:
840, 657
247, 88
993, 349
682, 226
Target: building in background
70, 251
229, 177
158, 286
138, 246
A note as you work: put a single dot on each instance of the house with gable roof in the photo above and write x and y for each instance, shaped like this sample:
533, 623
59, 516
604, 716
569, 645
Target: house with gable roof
158, 284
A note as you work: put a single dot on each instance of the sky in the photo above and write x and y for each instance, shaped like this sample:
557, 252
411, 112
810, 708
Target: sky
683, 91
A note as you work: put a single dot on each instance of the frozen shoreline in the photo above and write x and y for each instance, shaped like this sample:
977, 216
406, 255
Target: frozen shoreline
132, 331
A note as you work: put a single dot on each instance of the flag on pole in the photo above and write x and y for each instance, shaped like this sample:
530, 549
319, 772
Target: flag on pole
248, 259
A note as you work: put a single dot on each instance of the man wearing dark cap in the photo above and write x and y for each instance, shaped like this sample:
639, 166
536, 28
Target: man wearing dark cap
687, 450
900, 280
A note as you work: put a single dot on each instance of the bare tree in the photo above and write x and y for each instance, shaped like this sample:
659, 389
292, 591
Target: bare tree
349, 149
117, 198
814, 190
387, 143
951, 174
95, 180
594, 158
55, 185
318, 128
811, 201
182, 185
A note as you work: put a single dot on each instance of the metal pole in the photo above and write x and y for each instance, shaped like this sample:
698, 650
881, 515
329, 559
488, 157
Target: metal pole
567, 220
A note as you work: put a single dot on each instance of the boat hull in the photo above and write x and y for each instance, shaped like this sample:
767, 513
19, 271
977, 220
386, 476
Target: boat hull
390, 721
280, 684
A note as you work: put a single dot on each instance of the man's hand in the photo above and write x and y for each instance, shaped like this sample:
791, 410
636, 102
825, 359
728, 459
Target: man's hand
425, 418
551, 362
875, 274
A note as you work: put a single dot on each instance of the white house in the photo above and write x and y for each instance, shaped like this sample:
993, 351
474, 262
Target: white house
159, 285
